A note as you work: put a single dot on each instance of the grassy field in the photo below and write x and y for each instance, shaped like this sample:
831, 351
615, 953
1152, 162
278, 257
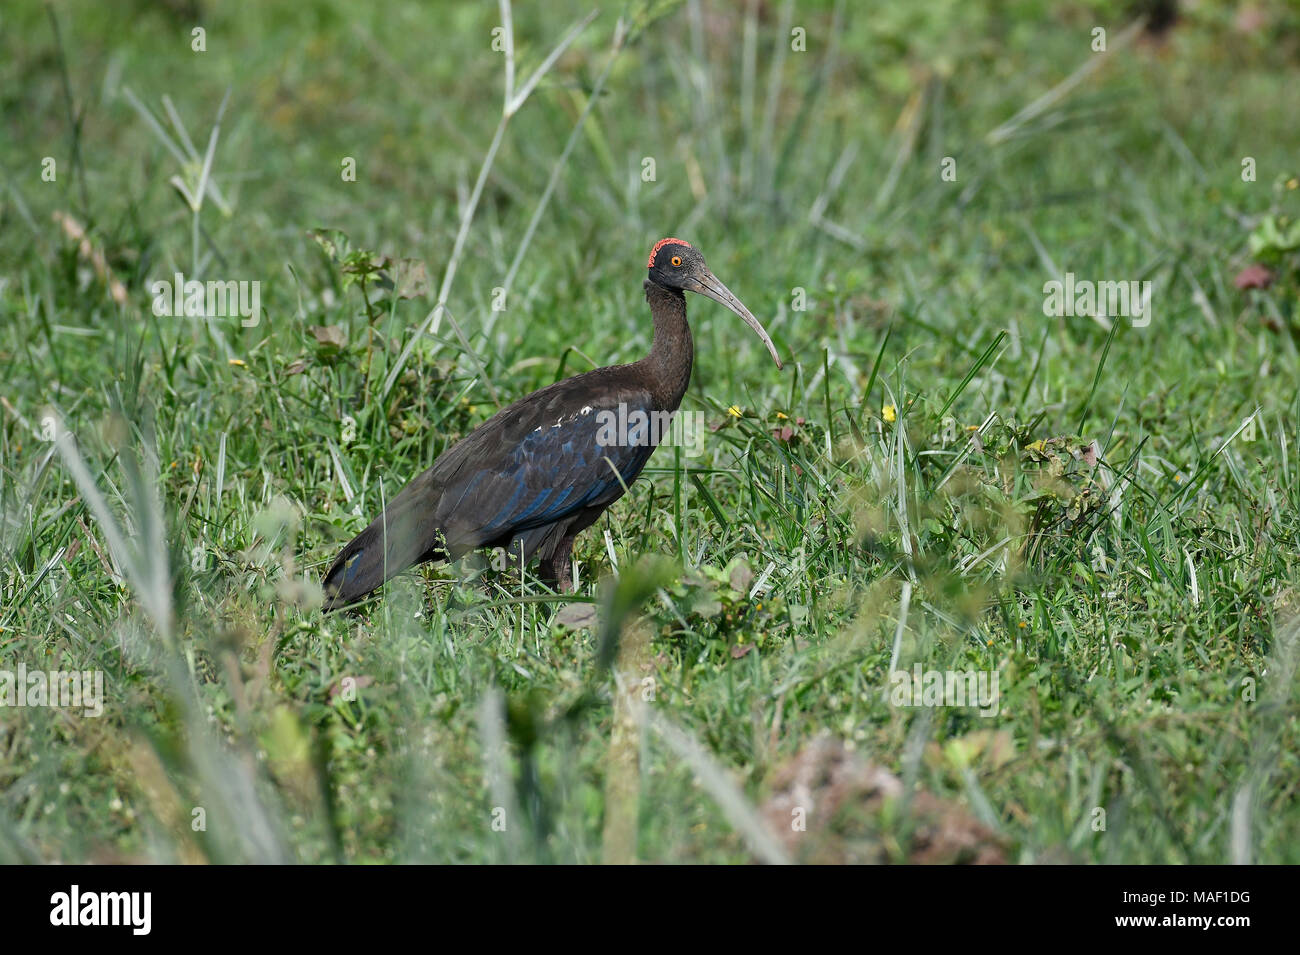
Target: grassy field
1100, 512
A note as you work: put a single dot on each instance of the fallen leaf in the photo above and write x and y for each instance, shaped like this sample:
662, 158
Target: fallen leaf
576, 616
331, 336
408, 278
741, 578
849, 805
1253, 276
1088, 453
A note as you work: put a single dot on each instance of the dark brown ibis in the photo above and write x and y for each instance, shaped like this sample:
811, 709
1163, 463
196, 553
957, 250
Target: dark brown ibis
540, 471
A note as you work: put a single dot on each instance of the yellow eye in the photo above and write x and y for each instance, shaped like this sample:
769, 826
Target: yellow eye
677, 261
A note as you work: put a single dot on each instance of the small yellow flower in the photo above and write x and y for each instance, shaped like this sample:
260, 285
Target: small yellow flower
1022, 625
1039, 445
735, 411
782, 415
239, 362
889, 413
1293, 183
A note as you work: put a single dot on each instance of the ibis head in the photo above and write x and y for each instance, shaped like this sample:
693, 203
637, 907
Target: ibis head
676, 264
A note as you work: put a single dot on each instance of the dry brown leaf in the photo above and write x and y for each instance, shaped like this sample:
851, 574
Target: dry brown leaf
329, 335
840, 798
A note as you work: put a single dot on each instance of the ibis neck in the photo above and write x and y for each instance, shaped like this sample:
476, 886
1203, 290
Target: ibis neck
669, 363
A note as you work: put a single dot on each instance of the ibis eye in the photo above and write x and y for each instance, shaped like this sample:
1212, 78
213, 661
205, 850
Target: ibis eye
677, 261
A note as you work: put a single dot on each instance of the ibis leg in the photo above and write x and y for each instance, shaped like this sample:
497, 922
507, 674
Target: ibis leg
557, 569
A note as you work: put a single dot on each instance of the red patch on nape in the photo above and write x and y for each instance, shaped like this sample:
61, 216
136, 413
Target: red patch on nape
659, 245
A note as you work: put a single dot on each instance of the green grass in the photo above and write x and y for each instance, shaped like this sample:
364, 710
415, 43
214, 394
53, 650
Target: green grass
931, 502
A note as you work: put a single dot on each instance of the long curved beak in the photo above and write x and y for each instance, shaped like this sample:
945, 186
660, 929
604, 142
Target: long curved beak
707, 284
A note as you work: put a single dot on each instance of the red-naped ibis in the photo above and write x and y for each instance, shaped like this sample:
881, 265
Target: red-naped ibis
540, 471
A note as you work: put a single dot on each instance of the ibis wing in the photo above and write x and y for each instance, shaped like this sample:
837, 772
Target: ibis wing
566, 461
